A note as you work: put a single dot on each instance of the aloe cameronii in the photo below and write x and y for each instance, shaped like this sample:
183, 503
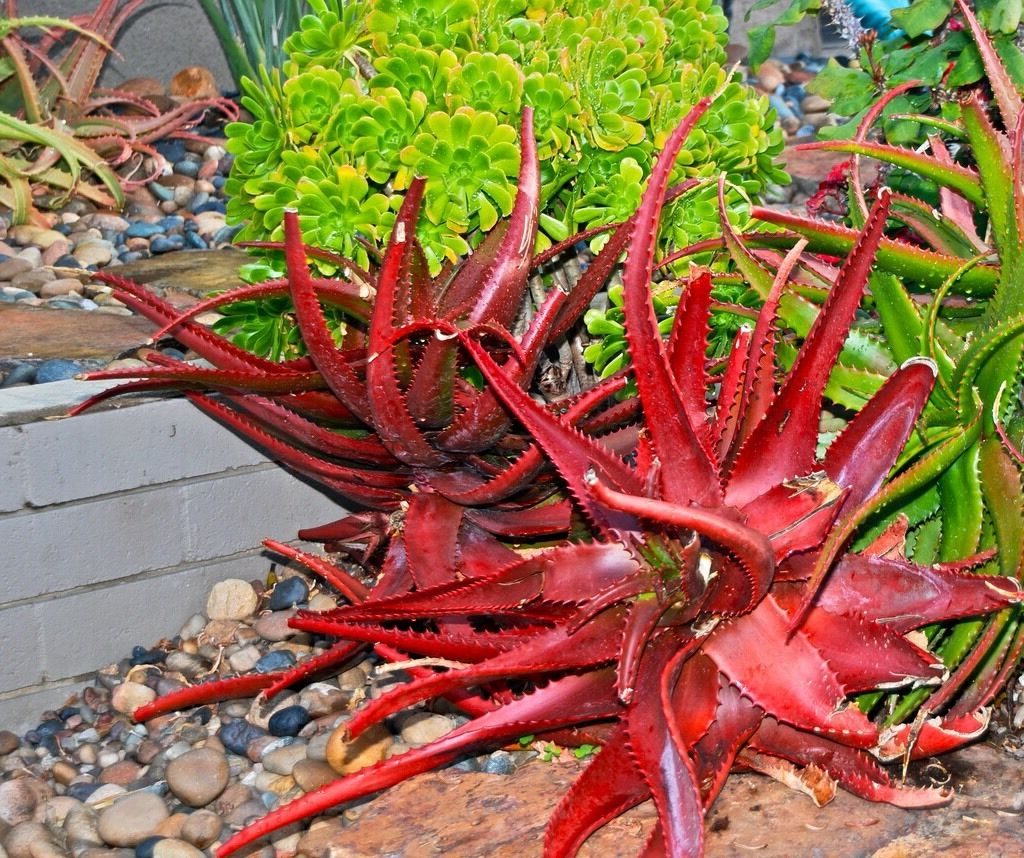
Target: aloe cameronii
386, 415
716, 618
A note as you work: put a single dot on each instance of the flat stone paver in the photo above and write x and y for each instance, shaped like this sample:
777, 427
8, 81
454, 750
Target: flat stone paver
472, 815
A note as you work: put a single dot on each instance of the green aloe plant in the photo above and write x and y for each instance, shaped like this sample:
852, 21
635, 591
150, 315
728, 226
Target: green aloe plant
954, 292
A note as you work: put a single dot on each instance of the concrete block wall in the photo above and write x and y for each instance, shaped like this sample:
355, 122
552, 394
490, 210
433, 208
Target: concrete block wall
113, 527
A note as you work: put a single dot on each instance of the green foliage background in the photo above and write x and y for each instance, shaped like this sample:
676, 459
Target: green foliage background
375, 92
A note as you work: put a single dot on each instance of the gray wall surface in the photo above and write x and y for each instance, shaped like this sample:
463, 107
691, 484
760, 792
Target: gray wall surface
163, 37
114, 526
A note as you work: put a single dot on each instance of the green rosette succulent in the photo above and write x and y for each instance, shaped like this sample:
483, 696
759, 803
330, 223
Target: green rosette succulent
334, 36
388, 89
440, 23
487, 81
470, 163
411, 69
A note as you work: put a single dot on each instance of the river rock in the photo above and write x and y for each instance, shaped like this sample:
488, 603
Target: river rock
56, 251
11, 268
81, 828
198, 777
288, 593
274, 626
282, 760
9, 742
94, 251
313, 774
131, 819
236, 736
288, 721
122, 772
28, 840
36, 235
323, 698
129, 696
172, 847
422, 728
770, 77
202, 828
814, 104
34, 280
346, 756
60, 286
194, 82
232, 599
18, 800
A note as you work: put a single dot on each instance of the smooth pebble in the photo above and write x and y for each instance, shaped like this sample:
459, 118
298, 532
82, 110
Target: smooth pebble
231, 599
129, 696
288, 721
197, 777
288, 593
281, 761
131, 819
201, 828
346, 756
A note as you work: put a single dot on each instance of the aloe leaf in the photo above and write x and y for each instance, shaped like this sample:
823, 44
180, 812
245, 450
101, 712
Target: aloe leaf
936, 228
799, 312
1000, 483
798, 403
960, 507
960, 179
1007, 97
985, 366
18, 195
900, 317
74, 153
926, 470
929, 269
687, 470
992, 156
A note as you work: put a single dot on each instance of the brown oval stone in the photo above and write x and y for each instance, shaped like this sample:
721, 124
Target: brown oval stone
371, 746
194, 82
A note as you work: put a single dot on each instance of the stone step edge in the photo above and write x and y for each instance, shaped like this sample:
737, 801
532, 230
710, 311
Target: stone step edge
20, 405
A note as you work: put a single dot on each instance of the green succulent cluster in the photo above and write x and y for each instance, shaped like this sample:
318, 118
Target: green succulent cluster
375, 92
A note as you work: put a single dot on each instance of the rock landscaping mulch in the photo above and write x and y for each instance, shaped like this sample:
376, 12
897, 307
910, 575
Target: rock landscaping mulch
51, 267
85, 782
90, 784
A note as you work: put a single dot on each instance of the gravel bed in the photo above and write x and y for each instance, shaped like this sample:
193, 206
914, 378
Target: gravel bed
52, 266
86, 782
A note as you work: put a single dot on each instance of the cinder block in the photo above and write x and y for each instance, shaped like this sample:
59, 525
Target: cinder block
20, 645
47, 551
238, 511
87, 630
127, 448
13, 470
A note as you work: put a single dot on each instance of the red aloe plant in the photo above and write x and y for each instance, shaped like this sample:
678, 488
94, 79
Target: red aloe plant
410, 421
716, 619
396, 381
